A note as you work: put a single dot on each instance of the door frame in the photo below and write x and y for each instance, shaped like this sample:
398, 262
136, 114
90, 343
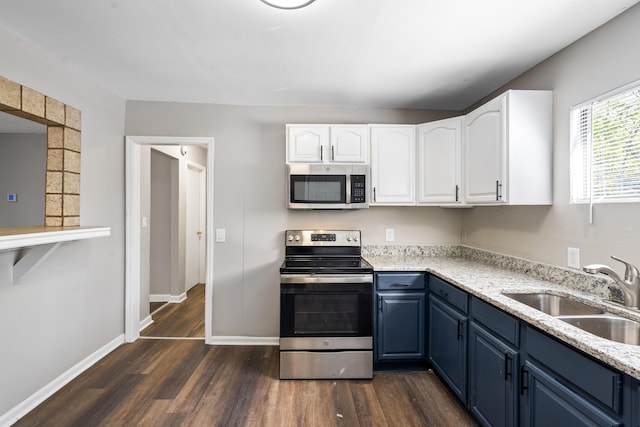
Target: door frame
133, 226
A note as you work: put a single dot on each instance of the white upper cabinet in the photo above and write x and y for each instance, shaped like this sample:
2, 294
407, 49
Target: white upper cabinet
327, 144
349, 143
392, 164
440, 162
508, 148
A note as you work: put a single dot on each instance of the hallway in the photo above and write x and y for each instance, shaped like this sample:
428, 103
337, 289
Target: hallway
183, 320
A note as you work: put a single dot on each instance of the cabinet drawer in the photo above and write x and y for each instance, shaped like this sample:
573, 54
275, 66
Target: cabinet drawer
497, 321
454, 296
598, 381
400, 281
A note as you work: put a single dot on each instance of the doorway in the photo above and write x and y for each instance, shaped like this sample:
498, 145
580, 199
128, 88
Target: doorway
201, 215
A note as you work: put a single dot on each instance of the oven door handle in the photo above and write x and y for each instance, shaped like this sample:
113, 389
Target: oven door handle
301, 279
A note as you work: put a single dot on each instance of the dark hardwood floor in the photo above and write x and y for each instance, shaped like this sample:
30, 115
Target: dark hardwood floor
184, 320
187, 383
183, 382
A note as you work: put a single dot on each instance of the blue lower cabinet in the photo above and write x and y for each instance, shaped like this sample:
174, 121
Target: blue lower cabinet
400, 319
447, 345
546, 401
493, 378
401, 326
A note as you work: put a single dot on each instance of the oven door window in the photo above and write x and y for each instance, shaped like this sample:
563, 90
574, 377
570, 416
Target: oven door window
320, 310
318, 188
326, 314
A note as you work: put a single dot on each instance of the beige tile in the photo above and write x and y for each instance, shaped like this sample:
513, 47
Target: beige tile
71, 183
54, 182
32, 102
71, 161
71, 221
53, 221
71, 205
10, 95
55, 137
54, 159
53, 205
72, 139
54, 110
73, 117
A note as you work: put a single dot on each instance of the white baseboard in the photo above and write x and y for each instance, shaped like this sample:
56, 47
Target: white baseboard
45, 392
145, 323
227, 340
174, 299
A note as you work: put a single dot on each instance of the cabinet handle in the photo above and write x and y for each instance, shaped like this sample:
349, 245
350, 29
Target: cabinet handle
333, 157
457, 190
507, 366
498, 188
523, 373
380, 304
459, 329
374, 194
443, 293
400, 285
321, 153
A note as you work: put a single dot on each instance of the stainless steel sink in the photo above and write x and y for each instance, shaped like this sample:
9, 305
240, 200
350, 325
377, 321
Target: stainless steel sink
611, 327
554, 305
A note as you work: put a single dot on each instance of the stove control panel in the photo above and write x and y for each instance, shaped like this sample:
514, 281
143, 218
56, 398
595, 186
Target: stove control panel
322, 238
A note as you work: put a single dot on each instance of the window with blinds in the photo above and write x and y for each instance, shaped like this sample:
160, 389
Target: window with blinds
605, 148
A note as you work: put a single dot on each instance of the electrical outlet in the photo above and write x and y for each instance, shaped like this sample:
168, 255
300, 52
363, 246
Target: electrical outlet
573, 258
389, 235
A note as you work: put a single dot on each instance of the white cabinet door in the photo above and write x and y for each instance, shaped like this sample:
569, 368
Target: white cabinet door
349, 143
508, 145
307, 143
392, 165
440, 162
484, 153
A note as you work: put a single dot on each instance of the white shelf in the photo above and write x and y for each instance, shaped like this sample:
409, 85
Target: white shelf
40, 242
23, 237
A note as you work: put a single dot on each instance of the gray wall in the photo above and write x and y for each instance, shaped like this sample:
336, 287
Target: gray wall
23, 158
72, 304
163, 175
599, 62
250, 201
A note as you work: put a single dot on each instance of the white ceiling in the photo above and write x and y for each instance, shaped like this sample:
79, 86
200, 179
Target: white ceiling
443, 54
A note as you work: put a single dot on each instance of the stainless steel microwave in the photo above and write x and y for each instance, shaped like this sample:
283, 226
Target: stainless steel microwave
327, 186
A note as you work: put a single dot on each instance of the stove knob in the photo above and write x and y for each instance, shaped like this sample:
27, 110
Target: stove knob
297, 238
290, 238
348, 238
355, 238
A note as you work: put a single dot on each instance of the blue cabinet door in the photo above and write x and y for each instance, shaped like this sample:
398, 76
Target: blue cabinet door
401, 326
547, 402
493, 368
447, 346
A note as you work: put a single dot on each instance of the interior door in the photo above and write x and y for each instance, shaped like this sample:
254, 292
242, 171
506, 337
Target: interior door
195, 239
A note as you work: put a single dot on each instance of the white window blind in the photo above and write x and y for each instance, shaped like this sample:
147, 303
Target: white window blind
605, 148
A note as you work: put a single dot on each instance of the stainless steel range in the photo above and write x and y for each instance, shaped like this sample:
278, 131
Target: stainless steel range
326, 320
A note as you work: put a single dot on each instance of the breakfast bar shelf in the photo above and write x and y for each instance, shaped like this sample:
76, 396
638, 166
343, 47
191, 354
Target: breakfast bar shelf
39, 242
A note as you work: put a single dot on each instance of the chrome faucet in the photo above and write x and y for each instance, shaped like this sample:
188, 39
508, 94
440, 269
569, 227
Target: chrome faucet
630, 286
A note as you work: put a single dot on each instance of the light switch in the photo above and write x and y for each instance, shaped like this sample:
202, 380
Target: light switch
145, 222
573, 258
221, 235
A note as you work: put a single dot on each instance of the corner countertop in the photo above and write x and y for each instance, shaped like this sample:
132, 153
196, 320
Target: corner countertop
487, 279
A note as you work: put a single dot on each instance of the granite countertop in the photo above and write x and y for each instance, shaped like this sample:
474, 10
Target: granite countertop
487, 275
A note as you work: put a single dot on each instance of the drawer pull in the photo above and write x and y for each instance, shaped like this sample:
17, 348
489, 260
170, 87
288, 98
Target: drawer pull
400, 285
443, 293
